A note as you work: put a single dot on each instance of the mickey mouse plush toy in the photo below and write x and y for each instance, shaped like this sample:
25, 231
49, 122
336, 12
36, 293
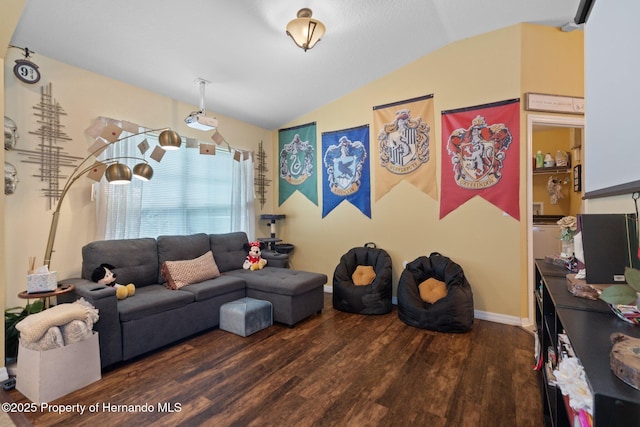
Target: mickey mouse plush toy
104, 276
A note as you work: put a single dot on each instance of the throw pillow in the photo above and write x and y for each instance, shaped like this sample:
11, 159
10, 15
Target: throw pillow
363, 276
185, 272
432, 290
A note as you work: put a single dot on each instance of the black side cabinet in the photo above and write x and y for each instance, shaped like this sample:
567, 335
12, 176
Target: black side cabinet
588, 326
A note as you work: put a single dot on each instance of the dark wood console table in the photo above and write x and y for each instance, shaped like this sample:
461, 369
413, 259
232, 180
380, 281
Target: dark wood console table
588, 324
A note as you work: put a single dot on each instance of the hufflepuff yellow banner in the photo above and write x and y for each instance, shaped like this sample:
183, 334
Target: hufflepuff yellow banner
404, 148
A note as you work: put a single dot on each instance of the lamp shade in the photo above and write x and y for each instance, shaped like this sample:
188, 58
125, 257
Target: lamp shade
305, 30
169, 139
118, 174
143, 171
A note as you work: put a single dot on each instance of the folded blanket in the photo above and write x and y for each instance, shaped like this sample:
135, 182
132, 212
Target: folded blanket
33, 327
75, 331
51, 339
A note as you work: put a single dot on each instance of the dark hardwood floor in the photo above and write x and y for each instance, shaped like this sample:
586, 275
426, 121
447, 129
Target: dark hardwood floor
333, 369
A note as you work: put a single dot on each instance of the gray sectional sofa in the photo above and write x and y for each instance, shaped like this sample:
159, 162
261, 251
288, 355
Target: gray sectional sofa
157, 316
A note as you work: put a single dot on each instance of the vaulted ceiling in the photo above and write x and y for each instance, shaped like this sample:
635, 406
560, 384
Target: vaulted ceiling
255, 72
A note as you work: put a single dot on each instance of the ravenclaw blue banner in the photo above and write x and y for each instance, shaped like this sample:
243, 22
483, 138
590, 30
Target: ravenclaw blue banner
345, 169
297, 147
405, 147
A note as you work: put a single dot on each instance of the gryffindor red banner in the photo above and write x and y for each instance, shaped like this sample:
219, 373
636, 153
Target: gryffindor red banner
481, 156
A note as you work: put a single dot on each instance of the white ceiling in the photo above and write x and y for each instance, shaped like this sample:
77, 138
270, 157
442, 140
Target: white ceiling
256, 73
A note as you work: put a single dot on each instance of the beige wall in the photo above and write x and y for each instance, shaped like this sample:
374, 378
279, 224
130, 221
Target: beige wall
10, 12
83, 96
489, 245
552, 63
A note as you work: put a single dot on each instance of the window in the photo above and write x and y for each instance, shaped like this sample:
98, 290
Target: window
189, 193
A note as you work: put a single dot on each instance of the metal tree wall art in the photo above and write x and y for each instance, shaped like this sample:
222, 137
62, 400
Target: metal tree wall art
49, 154
260, 180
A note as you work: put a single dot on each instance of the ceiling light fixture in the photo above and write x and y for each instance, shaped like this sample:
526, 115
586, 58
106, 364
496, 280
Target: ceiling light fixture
199, 119
305, 30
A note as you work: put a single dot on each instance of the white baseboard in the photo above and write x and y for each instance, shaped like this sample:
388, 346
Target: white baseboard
497, 318
482, 315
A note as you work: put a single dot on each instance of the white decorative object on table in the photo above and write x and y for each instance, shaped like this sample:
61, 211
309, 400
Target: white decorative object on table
568, 230
571, 379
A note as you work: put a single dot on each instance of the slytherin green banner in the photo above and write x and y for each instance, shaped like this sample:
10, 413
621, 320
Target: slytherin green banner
297, 162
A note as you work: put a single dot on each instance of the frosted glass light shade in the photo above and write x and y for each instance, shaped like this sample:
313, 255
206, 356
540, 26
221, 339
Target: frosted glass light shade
305, 30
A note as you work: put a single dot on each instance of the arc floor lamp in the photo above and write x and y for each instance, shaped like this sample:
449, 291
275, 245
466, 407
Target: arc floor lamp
114, 171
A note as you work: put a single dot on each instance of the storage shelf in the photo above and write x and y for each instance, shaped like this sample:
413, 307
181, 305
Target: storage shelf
588, 325
552, 170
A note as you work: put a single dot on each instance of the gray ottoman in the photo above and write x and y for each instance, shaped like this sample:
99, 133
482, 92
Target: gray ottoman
246, 316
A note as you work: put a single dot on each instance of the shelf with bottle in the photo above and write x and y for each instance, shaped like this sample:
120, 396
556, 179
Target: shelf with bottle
545, 163
553, 169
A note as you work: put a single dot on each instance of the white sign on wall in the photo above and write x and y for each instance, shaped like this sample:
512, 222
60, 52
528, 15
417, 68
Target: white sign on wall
554, 103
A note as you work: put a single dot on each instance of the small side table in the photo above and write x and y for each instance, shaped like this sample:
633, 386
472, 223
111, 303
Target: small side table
46, 296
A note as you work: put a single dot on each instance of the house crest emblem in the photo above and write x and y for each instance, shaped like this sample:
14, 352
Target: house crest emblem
477, 153
343, 163
296, 161
404, 143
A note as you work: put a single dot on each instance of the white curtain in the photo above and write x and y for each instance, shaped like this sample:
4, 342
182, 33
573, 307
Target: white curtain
243, 196
189, 193
118, 207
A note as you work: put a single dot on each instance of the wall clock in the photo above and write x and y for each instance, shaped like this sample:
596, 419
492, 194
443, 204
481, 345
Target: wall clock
26, 71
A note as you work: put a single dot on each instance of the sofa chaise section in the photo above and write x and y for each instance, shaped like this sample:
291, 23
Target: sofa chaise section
295, 295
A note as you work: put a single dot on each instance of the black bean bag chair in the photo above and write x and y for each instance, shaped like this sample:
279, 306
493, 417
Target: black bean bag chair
359, 297
451, 313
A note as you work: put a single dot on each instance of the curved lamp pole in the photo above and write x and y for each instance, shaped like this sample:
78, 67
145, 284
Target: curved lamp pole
168, 139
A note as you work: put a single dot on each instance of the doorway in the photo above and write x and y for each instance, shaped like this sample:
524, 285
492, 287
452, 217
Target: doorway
536, 123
